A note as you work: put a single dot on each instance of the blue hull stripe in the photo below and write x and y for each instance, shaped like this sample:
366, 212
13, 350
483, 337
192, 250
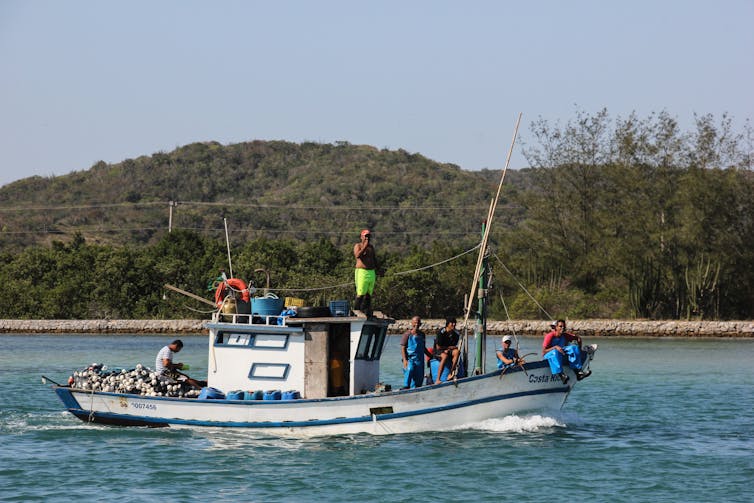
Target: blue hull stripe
128, 419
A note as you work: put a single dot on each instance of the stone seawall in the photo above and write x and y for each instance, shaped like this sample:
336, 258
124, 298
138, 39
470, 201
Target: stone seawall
608, 328
586, 328
104, 326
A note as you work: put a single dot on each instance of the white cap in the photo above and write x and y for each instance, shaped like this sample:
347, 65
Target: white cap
507, 338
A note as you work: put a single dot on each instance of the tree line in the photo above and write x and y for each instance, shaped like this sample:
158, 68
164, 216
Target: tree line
616, 218
639, 217
77, 280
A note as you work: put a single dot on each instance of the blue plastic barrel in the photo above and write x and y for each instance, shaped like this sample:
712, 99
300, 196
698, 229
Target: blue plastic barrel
434, 365
211, 394
266, 306
272, 395
235, 395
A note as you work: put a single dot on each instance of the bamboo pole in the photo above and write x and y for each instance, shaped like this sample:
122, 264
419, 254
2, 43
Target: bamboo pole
490, 216
227, 243
189, 294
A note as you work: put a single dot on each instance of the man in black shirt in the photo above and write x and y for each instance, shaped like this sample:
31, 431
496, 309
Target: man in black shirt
446, 346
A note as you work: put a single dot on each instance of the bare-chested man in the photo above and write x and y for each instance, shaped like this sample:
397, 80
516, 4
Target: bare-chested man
365, 273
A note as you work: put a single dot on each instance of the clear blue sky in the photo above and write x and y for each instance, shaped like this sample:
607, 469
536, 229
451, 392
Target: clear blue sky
83, 81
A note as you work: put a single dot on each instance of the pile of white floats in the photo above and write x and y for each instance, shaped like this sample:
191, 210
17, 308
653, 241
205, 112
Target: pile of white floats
137, 381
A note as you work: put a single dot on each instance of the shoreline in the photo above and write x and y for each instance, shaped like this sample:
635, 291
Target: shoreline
585, 328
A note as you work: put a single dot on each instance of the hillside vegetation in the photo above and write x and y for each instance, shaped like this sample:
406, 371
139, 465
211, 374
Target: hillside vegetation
625, 217
264, 189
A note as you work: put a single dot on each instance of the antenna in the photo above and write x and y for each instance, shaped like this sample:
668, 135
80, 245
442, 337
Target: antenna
227, 243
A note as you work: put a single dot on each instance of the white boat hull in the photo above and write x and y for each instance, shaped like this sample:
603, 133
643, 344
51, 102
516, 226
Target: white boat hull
466, 401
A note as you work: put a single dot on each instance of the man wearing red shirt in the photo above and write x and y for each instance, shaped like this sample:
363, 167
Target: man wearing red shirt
559, 344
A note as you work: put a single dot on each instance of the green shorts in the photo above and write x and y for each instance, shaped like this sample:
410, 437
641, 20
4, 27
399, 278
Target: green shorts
365, 279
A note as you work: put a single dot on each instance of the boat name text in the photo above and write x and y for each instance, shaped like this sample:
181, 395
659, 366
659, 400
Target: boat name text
542, 379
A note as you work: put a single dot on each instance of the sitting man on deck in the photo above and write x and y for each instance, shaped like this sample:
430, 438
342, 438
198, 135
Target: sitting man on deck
558, 344
507, 356
446, 346
164, 365
413, 349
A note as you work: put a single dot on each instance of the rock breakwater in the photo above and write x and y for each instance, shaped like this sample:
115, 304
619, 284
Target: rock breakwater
586, 328
103, 326
607, 328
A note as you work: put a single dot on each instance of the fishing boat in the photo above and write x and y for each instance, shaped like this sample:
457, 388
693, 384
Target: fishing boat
318, 373
327, 373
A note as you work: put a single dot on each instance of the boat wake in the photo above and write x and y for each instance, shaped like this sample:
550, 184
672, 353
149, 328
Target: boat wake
19, 423
516, 424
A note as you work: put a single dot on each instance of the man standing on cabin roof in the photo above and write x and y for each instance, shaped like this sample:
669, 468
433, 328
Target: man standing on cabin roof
365, 274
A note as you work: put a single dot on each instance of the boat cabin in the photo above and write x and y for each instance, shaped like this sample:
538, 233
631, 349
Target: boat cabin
317, 357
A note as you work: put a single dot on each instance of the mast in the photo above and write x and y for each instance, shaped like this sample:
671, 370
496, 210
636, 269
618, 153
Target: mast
481, 318
481, 265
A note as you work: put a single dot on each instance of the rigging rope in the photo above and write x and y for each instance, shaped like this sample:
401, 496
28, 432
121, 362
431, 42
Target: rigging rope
488, 225
438, 263
463, 346
199, 311
401, 273
91, 406
522, 288
508, 317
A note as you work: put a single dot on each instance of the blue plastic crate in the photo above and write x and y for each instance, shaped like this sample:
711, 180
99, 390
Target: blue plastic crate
339, 307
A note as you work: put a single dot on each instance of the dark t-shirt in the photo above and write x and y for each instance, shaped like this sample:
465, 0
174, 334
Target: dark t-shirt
445, 339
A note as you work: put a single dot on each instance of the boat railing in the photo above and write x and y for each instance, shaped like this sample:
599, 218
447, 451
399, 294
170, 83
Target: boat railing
248, 319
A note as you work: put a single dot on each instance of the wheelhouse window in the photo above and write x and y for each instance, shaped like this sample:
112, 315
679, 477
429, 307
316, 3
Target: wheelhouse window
255, 341
269, 371
371, 342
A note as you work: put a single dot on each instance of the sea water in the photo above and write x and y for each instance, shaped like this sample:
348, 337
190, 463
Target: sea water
660, 420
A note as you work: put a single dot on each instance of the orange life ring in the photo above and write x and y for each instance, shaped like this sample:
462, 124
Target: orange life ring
234, 283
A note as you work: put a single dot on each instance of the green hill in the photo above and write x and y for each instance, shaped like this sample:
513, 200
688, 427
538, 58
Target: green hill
273, 189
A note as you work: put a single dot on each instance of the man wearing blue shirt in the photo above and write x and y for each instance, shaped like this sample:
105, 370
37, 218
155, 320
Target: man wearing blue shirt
413, 349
